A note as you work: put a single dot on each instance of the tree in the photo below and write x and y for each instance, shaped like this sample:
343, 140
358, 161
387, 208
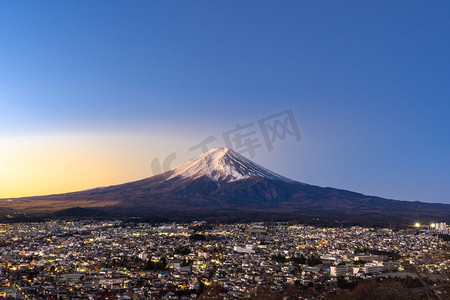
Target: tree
279, 258
198, 237
160, 265
299, 259
313, 260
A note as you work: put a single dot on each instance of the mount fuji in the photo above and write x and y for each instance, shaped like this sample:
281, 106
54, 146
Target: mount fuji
223, 185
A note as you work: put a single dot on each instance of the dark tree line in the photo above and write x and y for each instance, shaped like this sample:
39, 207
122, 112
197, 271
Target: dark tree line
312, 260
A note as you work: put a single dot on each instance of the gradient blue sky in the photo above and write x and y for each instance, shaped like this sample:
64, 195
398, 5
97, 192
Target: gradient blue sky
109, 85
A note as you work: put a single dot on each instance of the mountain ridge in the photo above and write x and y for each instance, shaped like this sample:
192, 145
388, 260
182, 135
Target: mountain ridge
221, 181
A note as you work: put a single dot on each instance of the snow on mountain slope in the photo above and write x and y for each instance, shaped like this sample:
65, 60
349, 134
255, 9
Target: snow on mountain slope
223, 164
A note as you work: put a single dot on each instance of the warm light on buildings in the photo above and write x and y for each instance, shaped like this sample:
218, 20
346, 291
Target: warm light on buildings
417, 225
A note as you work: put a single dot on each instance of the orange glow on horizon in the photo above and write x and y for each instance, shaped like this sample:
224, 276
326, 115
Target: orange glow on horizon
51, 165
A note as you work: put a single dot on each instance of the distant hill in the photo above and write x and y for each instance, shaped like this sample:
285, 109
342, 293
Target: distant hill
79, 212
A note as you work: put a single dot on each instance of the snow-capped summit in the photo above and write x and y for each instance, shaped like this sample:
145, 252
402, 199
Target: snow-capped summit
223, 164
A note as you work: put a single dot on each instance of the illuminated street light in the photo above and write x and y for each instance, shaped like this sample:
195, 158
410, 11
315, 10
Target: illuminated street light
417, 225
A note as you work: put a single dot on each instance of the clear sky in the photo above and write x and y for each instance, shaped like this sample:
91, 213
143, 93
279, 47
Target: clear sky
92, 91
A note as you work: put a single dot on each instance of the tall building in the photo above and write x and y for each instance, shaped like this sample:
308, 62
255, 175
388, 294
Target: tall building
442, 227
